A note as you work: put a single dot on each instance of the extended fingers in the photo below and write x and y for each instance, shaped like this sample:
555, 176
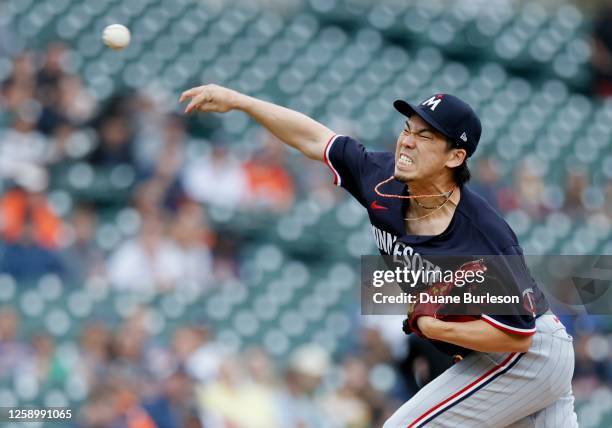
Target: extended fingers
190, 93
196, 101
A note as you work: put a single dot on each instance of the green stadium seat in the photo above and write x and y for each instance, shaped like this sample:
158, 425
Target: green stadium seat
8, 397
58, 322
230, 339
50, 287
276, 342
31, 303
55, 398
8, 289
292, 323
325, 339
338, 323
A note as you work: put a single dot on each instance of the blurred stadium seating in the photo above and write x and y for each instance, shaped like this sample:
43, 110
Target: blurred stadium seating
544, 157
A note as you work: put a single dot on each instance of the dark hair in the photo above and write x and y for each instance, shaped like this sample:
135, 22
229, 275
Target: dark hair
461, 173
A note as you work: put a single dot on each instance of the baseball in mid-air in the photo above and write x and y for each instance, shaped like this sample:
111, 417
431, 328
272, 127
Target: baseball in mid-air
116, 36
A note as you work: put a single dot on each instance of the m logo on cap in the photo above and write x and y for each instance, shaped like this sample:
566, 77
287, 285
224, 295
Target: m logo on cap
432, 102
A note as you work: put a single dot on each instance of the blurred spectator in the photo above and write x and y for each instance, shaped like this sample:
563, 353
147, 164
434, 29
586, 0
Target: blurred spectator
261, 370
529, 195
174, 407
26, 260
22, 144
148, 262
158, 137
114, 144
100, 410
315, 180
198, 353
601, 57
116, 403
13, 352
226, 250
217, 179
576, 183
75, 102
149, 197
374, 347
590, 368
32, 233
308, 365
24, 71
192, 240
165, 164
47, 88
19, 88
60, 141
269, 186
347, 406
51, 71
28, 217
127, 352
230, 401
486, 182
262, 383
131, 352
94, 352
83, 257
46, 364
170, 162
149, 122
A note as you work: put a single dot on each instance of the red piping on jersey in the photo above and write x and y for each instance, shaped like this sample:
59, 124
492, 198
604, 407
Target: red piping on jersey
461, 391
328, 163
501, 327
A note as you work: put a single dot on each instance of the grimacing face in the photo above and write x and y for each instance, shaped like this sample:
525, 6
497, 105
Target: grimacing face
421, 151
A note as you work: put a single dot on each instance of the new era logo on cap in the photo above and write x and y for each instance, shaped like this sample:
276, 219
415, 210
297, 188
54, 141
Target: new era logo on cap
463, 136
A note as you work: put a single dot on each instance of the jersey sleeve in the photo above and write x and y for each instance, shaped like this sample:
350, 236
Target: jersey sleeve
514, 279
348, 160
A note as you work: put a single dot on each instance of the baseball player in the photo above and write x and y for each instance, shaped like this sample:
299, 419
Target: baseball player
516, 368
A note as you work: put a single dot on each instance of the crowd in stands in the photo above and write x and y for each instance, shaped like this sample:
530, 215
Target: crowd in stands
49, 123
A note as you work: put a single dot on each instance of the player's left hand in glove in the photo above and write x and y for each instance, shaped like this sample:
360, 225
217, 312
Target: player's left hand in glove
437, 308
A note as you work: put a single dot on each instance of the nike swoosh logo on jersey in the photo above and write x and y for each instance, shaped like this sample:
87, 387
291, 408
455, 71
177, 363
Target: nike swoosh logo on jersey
374, 205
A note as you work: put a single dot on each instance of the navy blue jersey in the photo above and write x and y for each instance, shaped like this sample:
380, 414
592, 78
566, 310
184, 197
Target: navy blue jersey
475, 229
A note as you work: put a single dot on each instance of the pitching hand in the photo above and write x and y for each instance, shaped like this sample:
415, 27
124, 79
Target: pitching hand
210, 98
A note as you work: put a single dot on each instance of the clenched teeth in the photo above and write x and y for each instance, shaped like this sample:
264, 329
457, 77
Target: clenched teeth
405, 160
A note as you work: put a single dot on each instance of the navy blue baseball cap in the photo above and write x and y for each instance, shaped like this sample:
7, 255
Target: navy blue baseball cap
448, 115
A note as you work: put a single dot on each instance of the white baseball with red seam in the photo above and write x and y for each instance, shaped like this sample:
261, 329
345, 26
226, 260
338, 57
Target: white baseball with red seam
116, 36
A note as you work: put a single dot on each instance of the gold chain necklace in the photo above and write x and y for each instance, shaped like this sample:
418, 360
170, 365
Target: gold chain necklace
447, 195
386, 195
430, 213
426, 215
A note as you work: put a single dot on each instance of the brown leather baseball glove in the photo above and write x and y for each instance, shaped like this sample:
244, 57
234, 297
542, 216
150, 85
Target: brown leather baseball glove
457, 312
